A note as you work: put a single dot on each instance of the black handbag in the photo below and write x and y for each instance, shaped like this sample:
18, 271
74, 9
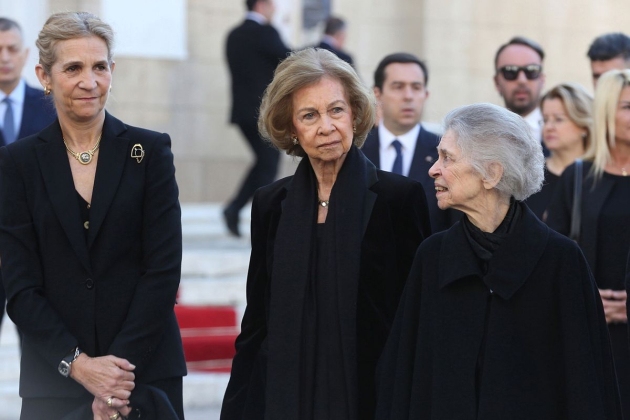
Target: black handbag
576, 211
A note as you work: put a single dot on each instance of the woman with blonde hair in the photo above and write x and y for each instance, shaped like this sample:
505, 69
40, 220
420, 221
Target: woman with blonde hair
603, 211
567, 115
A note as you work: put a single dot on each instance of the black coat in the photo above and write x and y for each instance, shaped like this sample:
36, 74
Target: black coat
253, 52
339, 53
110, 293
395, 225
424, 156
541, 333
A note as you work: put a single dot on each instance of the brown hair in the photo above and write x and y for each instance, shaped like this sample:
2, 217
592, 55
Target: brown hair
301, 69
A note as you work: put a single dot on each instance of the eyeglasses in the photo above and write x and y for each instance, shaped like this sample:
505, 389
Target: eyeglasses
532, 71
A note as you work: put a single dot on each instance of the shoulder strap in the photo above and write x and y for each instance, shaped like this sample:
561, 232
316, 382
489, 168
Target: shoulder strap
576, 211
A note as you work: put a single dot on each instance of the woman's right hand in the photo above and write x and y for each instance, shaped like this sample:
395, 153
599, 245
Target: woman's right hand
105, 377
614, 305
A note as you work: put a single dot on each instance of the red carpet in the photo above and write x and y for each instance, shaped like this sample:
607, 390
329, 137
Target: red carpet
208, 334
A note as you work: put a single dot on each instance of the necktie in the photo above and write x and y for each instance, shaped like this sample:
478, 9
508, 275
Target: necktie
397, 167
8, 129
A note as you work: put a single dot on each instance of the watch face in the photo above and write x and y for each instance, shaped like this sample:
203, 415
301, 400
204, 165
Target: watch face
64, 368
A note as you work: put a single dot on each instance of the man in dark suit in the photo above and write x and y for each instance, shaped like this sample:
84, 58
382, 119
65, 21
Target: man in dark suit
23, 109
609, 52
399, 143
335, 37
254, 49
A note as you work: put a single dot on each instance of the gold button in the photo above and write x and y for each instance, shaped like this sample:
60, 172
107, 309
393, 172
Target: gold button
86, 225
89, 206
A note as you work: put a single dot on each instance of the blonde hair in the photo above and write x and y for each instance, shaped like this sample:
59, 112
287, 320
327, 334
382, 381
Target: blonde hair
304, 68
607, 94
578, 104
71, 25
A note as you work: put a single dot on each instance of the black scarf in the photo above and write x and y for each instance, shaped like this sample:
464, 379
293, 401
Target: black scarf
292, 267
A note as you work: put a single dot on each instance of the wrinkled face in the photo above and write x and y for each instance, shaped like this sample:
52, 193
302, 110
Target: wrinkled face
521, 95
599, 67
559, 130
12, 58
80, 78
457, 184
402, 98
622, 118
322, 120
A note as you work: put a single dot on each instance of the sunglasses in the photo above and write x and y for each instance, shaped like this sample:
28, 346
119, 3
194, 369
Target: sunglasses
532, 71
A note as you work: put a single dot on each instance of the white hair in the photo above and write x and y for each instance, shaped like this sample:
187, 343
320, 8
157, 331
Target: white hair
488, 134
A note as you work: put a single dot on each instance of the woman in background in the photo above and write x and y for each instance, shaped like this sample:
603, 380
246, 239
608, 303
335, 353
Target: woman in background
567, 115
605, 211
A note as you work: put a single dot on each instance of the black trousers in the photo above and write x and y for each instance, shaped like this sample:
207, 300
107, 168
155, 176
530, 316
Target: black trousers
262, 172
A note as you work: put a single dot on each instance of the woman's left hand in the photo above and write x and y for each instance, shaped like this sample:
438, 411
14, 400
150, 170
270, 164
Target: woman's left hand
102, 412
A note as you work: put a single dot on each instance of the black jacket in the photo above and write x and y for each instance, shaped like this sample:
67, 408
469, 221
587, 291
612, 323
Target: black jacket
395, 225
253, 52
110, 293
535, 316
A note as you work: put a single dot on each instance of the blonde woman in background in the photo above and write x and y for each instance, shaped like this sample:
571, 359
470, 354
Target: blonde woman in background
567, 115
605, 211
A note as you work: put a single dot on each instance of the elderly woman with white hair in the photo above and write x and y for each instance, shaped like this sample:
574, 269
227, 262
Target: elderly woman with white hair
500, 317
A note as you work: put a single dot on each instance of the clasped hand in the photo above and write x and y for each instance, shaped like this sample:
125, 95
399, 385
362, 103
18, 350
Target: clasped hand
614, 305
105, 377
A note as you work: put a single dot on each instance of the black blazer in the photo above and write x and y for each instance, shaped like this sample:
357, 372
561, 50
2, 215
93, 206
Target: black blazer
424, 156
397, 224
37, 113
339, 53
253, 52
112, 291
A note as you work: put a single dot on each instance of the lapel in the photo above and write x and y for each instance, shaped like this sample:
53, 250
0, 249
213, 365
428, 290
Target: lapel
111, 162
511, 265
371, 147
424, 155
53, 161
28, 114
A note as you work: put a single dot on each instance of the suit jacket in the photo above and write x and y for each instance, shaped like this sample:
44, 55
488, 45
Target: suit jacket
110, 290
253, 53
37, 113
424, 156
339, 53
524, 337
396, 223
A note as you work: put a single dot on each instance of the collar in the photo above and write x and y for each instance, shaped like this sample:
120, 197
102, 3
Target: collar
535, 121
17, 96
407, 139
510, 266
327, 39
256, 17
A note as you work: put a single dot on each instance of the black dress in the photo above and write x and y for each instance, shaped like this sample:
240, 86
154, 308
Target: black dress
539, 202
605, 241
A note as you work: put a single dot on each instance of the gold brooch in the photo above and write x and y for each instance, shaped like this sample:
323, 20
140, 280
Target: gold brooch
137, 152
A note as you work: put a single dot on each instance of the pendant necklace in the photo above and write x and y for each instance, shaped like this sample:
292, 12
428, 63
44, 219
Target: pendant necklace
85, 157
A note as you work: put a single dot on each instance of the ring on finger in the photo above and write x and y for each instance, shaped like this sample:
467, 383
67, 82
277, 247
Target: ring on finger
109, 402
115, 416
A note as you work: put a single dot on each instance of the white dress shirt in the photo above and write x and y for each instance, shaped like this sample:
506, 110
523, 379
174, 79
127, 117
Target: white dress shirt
387, 152
17, 104
535, 121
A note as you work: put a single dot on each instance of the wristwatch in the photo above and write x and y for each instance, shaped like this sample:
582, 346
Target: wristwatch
65, 366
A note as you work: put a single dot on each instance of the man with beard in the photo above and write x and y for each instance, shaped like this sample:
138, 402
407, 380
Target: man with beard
519, 79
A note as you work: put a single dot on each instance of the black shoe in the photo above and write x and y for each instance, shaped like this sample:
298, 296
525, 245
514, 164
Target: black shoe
231, 221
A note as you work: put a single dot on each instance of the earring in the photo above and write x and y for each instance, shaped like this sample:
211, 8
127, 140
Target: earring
46, 90
295, 140
110, 88
354, 128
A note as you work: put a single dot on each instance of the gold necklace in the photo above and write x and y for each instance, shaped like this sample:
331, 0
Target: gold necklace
85, 157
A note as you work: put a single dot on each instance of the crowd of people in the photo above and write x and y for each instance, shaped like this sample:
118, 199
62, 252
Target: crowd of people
398, 274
